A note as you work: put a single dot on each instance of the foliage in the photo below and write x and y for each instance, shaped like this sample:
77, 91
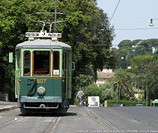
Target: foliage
144, 64
112, 103
145, 68
87, 30
126, 82
152, 78
141, 63
123, 85
119, 86
129, 49
125, 44
147, 44
92, 90
104, 92
154, 43
107, 92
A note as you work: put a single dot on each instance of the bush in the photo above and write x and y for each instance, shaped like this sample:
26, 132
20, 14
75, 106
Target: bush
112, 103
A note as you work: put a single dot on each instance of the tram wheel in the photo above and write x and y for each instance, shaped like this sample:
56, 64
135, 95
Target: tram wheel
24, 111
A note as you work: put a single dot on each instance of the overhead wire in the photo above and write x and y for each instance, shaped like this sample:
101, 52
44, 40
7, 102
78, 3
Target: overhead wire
138, 29
115, 10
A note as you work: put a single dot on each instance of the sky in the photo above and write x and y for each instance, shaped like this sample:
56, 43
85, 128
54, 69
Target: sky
132, 18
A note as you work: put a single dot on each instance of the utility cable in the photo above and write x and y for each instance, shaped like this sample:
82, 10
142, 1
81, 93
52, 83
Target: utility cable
138, 29
115, 10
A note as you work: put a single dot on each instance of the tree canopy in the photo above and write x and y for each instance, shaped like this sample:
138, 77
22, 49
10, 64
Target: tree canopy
87, 30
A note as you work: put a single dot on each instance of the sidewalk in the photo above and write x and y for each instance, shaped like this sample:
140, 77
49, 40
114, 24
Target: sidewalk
6, 106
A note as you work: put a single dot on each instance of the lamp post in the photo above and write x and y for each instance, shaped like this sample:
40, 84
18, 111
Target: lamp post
146, 86
117, 93
146, 91
138, 90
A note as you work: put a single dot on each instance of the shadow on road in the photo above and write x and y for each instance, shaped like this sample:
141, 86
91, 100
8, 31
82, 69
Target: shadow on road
70, 114
41, 114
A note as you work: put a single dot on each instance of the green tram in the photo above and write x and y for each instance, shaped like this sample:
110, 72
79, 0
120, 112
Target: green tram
43, 72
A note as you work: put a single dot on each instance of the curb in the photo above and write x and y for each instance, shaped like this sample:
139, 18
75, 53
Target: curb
8, 108
73, 106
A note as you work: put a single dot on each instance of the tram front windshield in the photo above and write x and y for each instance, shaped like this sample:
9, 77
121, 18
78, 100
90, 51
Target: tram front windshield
41, 62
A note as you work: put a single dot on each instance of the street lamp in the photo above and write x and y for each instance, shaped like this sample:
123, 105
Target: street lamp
122, 58
151, 21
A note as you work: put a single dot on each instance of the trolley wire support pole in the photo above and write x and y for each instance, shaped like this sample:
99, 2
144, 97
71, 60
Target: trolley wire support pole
117, 93
146, 88
55, 17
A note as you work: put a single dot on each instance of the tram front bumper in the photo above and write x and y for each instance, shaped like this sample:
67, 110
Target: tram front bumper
39, 103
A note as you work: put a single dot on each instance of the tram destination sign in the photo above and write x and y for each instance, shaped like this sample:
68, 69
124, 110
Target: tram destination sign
32, 35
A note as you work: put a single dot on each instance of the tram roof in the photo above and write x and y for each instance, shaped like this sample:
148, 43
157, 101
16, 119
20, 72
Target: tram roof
43, 44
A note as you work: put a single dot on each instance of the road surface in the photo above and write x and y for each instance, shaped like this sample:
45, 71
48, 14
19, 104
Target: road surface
83, 120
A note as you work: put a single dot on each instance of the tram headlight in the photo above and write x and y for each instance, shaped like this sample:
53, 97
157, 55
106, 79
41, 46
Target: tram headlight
41, 90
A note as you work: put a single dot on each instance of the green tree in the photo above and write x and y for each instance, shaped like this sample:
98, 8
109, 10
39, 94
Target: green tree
107, 92
89, 34
141, 67
123, 84
152, 78
154, 43
87, 30
147, 44
125, 44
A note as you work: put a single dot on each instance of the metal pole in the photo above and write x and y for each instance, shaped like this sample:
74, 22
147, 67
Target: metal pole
55, 17
138, 90
146, 91
117, 92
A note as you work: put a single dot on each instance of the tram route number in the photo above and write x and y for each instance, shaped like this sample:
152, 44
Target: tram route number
41, 81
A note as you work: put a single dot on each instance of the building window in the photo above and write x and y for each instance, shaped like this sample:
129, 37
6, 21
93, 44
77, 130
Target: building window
41, 64
26, 63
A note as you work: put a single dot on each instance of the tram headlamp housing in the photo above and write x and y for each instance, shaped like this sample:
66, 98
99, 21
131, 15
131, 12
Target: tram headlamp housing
41, 91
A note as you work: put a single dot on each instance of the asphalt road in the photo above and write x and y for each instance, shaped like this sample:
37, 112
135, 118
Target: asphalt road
83, 120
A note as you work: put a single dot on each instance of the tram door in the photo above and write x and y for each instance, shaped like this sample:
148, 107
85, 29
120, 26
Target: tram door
65, 74
70, 75
17, 73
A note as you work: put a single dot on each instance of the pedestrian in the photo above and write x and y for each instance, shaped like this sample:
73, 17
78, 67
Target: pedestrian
84, 103
80, 96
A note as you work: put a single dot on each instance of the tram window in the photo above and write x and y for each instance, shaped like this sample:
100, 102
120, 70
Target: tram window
41, 62
56, 61
27, 63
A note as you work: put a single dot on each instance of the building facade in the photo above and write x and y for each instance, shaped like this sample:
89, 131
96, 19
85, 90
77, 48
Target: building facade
104, 76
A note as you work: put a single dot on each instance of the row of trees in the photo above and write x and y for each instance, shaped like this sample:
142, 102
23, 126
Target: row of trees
139, 79
129, 49
87, 30
142, 57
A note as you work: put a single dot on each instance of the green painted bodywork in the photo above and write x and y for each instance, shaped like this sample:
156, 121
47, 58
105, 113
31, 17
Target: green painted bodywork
54, 84
53, 87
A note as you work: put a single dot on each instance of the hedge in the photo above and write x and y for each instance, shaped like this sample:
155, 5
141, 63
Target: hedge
112, 103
